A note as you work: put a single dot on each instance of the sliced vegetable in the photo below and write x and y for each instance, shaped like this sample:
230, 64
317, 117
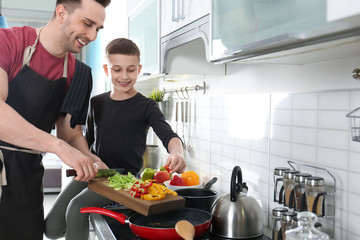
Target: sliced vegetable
106, 172
177, 181
140, 188
120, 181
157, 192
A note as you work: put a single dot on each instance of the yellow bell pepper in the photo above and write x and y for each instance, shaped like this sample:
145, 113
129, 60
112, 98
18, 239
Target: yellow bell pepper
157, 192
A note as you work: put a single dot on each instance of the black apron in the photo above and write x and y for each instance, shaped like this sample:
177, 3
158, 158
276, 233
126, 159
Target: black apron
38, 100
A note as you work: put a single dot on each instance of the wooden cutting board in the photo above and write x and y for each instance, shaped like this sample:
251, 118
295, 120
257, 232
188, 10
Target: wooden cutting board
145, 207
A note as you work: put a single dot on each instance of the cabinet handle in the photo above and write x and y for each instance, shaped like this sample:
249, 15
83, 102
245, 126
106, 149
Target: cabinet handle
177, 10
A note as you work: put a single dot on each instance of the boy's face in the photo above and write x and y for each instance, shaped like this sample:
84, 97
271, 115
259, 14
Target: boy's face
124, 71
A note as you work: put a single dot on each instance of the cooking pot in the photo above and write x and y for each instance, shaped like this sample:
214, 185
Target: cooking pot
200, 198
237, 215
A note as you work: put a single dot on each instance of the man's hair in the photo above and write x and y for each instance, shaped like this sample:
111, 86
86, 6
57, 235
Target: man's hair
122, 46
71, 5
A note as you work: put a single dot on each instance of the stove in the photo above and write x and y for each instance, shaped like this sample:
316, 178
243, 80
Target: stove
107, 228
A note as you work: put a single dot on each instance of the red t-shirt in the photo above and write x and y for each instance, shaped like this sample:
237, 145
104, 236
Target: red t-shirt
13, 42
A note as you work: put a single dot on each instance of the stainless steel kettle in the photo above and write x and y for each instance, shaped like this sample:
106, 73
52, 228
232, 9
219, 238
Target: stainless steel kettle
237, 215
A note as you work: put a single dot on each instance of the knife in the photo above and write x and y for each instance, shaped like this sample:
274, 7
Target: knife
101, 172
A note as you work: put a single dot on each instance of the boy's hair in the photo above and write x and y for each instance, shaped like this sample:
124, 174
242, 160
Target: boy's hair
71, 5
122, 46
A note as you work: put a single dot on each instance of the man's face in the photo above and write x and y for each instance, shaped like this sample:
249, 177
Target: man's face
124, 71
82, 25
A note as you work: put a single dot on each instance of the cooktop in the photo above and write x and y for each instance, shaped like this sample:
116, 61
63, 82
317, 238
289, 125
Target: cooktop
123, 231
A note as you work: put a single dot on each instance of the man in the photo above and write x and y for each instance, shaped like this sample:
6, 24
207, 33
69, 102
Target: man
42, 87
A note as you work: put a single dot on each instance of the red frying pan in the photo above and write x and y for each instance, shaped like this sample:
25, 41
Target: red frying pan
159, 226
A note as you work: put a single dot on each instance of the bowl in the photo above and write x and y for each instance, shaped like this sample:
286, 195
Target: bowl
174, 187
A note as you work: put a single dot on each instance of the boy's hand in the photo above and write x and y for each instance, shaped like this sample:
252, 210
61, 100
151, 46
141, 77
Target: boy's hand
175, 163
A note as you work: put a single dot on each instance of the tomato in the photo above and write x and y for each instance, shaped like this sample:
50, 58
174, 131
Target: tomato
167, 168
191, 178
161, 176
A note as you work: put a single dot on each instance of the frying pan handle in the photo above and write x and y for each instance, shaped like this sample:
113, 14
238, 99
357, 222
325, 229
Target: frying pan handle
118, 216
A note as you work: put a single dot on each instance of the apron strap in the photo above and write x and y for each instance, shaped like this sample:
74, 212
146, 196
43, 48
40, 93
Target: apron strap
20, 150
29, 51
65, 66
3, 181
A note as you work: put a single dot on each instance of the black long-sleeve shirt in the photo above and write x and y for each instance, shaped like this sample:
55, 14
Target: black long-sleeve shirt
116, 130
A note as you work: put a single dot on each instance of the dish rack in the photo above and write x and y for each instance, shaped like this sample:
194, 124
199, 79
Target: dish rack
354, 117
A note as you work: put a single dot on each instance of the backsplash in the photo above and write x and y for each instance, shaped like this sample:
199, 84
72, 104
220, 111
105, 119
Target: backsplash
259, 132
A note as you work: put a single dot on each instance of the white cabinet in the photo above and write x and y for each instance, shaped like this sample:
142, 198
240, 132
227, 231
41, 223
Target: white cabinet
343, 10
240, 26
178, 13
250, 28
143, 29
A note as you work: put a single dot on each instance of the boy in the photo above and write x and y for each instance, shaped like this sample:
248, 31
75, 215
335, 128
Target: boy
116, 130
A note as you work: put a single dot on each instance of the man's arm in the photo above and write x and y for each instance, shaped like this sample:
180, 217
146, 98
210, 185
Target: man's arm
15, 130
76, 139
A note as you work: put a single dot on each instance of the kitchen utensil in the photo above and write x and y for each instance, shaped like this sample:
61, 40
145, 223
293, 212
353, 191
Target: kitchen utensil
145, 207
183, 123
237, 215
185, 229
315, 192
175, 187
209, 184
160, 226
276, 221
289, 184
101, 172
200, 198
278, 177
177, 116
299, 191
151, 157
287, 222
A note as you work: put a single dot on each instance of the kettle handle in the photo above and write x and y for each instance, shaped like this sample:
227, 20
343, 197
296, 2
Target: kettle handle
236, 187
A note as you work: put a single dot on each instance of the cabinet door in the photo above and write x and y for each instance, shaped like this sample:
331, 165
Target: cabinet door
177, 13
143, 30
237, 25
343, 10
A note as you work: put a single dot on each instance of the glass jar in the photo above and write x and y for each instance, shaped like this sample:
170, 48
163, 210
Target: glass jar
287, 222
306, 229
299, 191
276, 217
278, 178
315, 191
289, 184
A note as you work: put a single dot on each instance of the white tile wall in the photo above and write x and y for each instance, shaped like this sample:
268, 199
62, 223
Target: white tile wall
309, 128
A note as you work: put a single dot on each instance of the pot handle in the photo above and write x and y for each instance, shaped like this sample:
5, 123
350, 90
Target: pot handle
236, 187
118, 216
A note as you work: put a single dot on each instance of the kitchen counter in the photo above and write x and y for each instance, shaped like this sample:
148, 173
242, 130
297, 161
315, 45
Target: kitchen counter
107, 228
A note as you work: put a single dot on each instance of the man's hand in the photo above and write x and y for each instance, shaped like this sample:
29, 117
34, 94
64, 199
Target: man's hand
82, 164
74, 150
